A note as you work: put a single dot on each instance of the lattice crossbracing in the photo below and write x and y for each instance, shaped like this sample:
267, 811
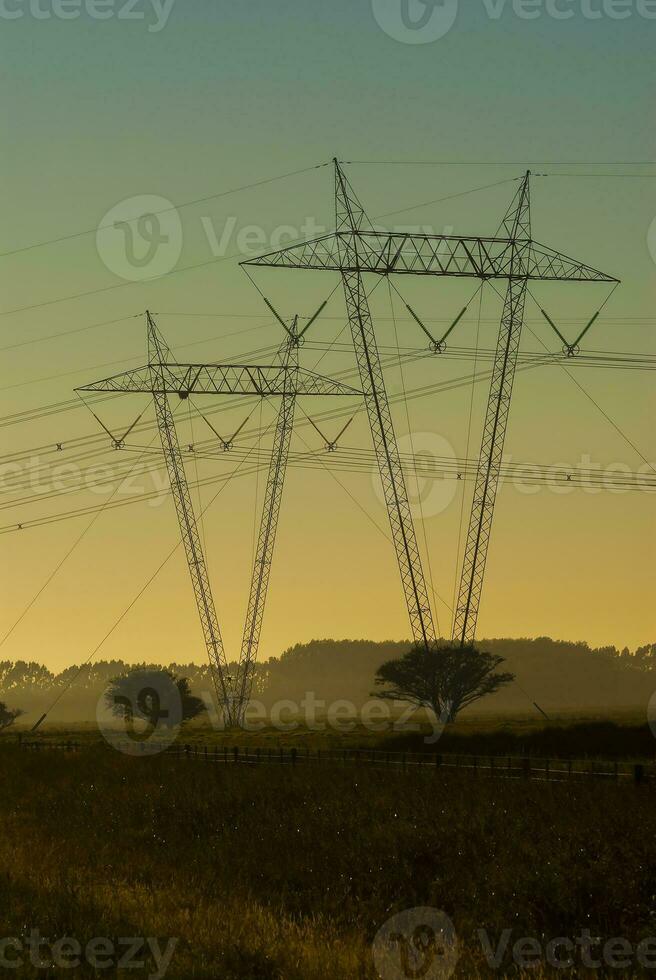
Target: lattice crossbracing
355, 248
163, 377
268, 527
518, 224
380, 421
158, 355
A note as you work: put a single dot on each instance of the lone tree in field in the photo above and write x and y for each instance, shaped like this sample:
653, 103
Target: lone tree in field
7, 716
157, 697
445, 678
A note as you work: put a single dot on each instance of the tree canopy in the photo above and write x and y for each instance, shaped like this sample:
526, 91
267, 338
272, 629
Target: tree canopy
443, 677
8, 716
157, 697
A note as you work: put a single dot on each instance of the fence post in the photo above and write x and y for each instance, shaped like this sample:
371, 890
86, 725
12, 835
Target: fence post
282, 755
547, 769
225, 755
205, 753
526, 767
235, 753
294, 756
438, 760
639, 774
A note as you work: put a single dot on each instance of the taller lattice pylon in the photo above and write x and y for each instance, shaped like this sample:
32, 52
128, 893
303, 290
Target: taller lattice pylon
517, 225
351, 219
513, 257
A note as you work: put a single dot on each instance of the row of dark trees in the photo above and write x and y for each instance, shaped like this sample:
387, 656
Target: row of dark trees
444, 678
22, 675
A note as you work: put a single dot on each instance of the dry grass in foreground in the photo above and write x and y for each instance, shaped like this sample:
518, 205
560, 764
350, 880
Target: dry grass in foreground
269, 873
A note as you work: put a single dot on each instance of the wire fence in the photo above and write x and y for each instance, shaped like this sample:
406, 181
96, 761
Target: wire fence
499, 767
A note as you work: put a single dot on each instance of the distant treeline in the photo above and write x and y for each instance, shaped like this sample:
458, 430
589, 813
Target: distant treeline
560, 675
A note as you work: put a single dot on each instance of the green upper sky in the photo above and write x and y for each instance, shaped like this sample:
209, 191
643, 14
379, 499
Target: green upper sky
188, 100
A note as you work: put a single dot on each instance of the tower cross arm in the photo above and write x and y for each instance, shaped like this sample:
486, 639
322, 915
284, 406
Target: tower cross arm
401, 253
223, 379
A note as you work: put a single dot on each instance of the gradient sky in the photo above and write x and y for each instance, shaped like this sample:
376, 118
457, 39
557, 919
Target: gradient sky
226, 95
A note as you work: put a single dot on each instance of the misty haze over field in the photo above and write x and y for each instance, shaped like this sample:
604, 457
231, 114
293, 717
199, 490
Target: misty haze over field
559, 675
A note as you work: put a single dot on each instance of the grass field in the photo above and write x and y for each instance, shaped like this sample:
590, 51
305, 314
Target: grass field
270, 873
625, 736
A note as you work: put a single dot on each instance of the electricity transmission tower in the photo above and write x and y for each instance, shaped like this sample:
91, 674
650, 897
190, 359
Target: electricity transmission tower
163, 377
517, 227
355, 248
288, 355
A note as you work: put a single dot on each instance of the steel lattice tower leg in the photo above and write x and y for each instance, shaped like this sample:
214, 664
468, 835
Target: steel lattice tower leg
518, 226
158, 354
350, 218
267, 534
